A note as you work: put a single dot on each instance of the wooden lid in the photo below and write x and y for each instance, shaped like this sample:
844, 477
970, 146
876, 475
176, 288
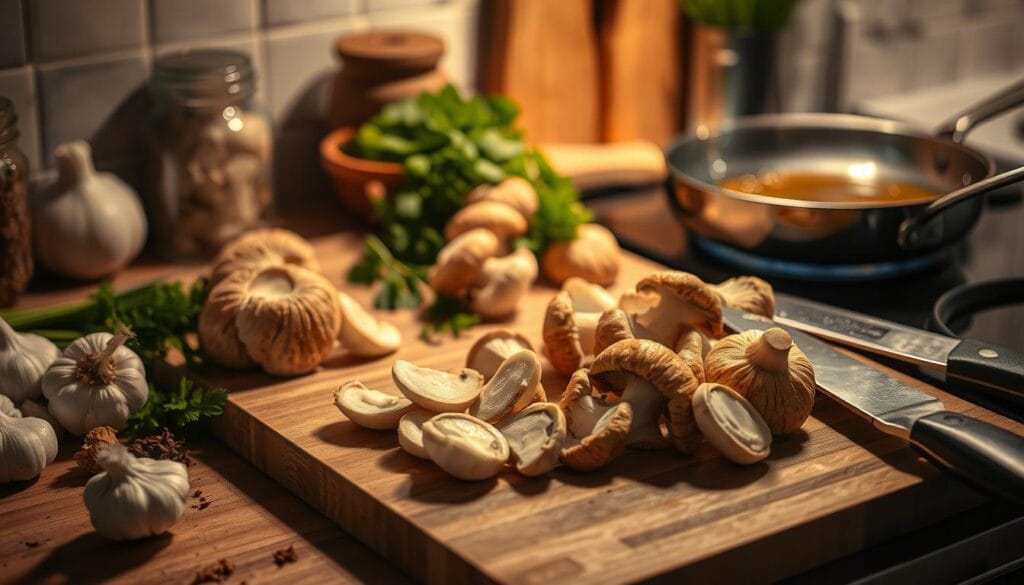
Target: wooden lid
399, 49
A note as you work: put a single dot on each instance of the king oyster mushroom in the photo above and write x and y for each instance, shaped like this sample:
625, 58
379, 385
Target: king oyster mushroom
747, 293
514, 191
436, 390
597, 431
263, 247
502, 283
511, 389
593, 256
654, 380
670, 303
731, 424
616, 325
491, 349
410, 432
766, 368
369, 408
570, 323
364, 335
499, 218
460, 263
465, 446
535, 437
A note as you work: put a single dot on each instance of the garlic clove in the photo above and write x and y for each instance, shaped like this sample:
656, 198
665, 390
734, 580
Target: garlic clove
24, 358
27, 445
369, 408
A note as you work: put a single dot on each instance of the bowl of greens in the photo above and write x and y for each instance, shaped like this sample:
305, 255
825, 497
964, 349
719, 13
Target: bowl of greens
358, 181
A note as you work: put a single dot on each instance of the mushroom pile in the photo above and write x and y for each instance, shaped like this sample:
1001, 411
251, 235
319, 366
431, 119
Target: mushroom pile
269, 306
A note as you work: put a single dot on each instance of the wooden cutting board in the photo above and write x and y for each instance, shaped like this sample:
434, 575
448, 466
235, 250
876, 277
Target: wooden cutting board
828, 491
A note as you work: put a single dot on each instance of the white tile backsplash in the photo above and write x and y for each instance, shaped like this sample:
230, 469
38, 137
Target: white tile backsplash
64, 29
279, 12
18, 86
177, 20
12, 34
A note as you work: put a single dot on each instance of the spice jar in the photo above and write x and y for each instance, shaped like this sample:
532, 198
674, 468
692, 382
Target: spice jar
15, 227
382, 67
210, 153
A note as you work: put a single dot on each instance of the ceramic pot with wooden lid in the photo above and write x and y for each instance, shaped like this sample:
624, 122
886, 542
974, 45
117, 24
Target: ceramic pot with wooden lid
381, 67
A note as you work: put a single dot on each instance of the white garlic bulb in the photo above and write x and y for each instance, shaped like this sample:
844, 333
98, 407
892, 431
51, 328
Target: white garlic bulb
7, 407
98, 382
24, 358
135, 497
27, 445
88, 224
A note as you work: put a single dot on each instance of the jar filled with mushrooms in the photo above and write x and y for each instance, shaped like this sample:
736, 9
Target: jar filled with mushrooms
209, 152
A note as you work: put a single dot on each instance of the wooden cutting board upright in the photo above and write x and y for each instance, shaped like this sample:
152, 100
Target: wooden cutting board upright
830, 490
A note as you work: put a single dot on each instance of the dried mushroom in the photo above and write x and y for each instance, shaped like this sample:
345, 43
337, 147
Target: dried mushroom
492, 349
670, 303
410, 432
747, 293
766, 368
369, 408
436, 390
593, 256
512, 388
655, 381
570, 323
460, 263
501, 219
465, 446
261, 248
693, 347
364, 335
502, 283
515, 192
535, 437
731, 424
596, 432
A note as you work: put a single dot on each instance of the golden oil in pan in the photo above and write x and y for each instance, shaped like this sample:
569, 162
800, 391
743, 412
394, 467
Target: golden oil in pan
857, 186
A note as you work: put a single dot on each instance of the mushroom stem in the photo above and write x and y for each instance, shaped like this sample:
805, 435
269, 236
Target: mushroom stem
586, 328
771, 350
648, 405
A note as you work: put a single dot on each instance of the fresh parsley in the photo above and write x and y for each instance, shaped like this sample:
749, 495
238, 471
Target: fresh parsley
182, 410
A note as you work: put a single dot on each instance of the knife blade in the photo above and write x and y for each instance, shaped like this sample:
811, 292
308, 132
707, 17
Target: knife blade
981, 453
997, 370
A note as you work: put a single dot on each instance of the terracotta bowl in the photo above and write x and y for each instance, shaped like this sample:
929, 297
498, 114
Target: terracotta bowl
358, 181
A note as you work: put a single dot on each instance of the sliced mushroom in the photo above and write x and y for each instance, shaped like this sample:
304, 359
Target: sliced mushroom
670, 303
654, 380
593, 256
492, 349
596, 432
747, 293
436, 390
364, 335
465, 446
731, 424
514, 191
502, 283
512, 388
369, 408
410, 432
588, 297
535, 437
499, 218
571, 321
460, 263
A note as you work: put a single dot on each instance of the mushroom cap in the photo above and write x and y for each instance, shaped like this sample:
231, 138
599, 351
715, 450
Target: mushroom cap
410, 432
492, 348
596, 432
731, 424
561, 336
501, 219
691, 290
218, 333
436, 390
503, 282
692, 347
593, 256
613, 326
364, 335
465, 446
514, 191
263, 247
747, 293
289, 320
535, 437
369, 408
460, 263
512, 388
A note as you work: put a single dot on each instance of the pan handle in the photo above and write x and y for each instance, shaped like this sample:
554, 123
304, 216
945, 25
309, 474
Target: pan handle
957, 127
914, 230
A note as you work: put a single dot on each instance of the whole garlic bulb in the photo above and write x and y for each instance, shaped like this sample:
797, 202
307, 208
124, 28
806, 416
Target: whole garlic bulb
24, 358
135, 497
89, 224
27, 445
98, 382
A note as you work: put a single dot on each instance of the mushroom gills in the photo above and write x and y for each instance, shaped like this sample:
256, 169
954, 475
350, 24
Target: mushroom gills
410, 432
436, 390
511, 389
535, 437
464, 446
731, 424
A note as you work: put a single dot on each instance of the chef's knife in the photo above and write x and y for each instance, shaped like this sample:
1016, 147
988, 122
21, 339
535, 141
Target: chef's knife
981, 453
997, 369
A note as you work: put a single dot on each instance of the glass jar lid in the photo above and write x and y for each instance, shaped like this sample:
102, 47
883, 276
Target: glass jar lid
204, 78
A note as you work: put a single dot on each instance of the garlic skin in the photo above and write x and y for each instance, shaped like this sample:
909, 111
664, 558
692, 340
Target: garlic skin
135, 497
88, 224
24, 358
98, 382
7, 407
27, 445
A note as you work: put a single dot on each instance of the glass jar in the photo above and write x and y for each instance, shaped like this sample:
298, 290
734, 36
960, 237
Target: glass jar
209, 153
15, 228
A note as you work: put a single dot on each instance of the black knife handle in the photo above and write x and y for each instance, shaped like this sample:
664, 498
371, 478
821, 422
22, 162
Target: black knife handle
985, 455
994, 367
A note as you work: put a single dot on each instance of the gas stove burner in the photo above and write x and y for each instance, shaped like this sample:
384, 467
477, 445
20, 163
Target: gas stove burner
774, 267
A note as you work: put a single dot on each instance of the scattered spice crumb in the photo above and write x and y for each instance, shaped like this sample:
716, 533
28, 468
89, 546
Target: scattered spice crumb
285, 556
162, 446
204, 505
32, 543
216, 573
95, 440
202, 499
197, 493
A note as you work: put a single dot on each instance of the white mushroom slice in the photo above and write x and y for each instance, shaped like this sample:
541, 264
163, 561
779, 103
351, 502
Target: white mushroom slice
588, 297
535, 437
436, 390
364, 335
464, 446
369, 408
512, 388
492, 349
731, 424
410, 432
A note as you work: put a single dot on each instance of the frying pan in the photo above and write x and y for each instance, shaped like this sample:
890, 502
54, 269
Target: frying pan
855, 233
